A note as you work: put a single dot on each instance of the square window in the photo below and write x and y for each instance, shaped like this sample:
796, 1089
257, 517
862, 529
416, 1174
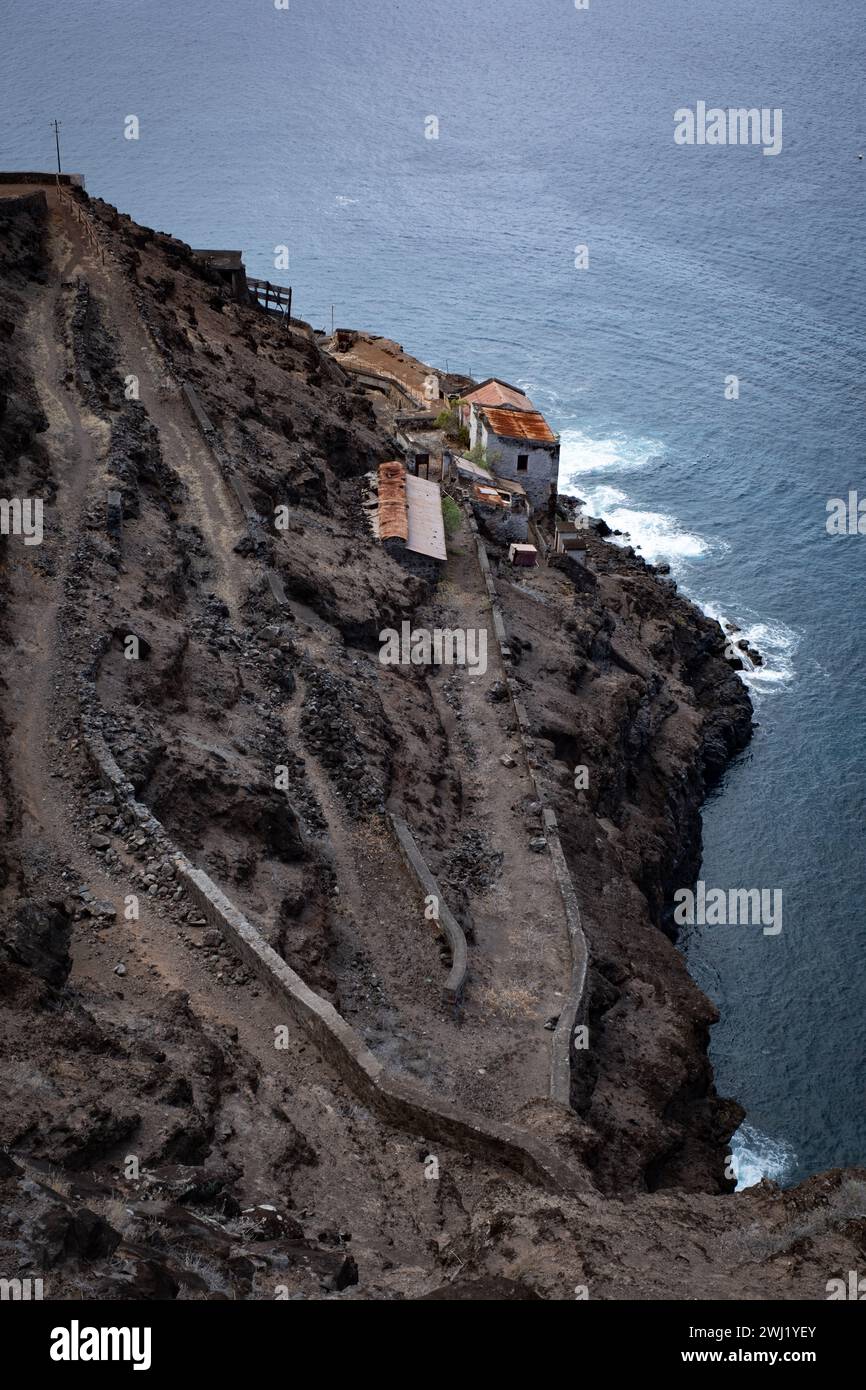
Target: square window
522, 463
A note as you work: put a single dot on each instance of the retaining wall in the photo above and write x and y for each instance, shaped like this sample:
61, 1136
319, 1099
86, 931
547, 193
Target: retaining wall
413, 858
14, 176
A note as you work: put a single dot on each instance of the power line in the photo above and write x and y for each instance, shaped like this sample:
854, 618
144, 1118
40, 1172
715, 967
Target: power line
56, 125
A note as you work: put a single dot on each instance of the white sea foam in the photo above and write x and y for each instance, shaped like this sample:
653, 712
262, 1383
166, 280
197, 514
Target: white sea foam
654, 535
776, 642
580, 454
757, 1156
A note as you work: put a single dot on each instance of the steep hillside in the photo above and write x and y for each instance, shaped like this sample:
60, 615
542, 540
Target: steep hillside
170, 1129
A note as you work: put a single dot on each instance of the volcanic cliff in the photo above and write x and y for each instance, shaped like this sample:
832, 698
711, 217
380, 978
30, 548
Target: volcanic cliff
168, 1129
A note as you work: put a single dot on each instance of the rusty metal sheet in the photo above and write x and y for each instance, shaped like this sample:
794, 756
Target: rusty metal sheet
520, 424
393, 510
495, 392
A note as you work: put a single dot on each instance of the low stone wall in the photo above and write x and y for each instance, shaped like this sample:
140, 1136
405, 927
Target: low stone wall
400, 1103
14, 176
367, 375
564, 1058
199, 414
486, 575
415, 862
563, 1054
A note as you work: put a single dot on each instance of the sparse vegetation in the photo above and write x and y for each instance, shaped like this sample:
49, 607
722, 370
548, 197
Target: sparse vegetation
206, 1269
451, 515
484, 458
453, 428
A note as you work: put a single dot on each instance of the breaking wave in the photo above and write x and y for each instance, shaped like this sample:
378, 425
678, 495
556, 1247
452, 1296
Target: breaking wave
757, 1156
655, 536
776, 642
581, 454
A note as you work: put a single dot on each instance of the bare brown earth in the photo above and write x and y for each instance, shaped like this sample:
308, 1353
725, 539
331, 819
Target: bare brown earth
154, 1142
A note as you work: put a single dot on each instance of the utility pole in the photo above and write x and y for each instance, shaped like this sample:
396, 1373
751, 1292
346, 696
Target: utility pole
332, 320
56, 125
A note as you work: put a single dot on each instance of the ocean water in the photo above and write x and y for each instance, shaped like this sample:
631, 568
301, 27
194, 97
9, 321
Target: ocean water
307, 127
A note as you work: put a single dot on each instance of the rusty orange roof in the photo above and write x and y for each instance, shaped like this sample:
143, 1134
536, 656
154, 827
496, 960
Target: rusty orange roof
393, 511
495, 392
410, 510
520, 424
490, 495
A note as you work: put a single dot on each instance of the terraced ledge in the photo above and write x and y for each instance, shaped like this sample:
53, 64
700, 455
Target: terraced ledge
453, 987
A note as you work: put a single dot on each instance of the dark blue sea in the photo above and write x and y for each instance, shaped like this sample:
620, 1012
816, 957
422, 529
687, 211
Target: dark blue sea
305, 127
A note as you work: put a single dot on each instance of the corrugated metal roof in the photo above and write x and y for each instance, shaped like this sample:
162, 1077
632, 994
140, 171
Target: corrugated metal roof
393, 511
487, 494
496, 392
410, 510
426, 527
520, 424
474, 470
509, 485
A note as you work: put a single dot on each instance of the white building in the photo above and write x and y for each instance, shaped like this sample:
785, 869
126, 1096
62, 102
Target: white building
520, 445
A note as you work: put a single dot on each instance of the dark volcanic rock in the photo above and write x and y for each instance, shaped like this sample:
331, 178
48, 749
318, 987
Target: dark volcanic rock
490, 1290
41, 941
64, 1234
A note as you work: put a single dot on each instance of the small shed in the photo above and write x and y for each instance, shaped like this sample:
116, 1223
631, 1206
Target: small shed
423, 444
522, 555
570, 538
